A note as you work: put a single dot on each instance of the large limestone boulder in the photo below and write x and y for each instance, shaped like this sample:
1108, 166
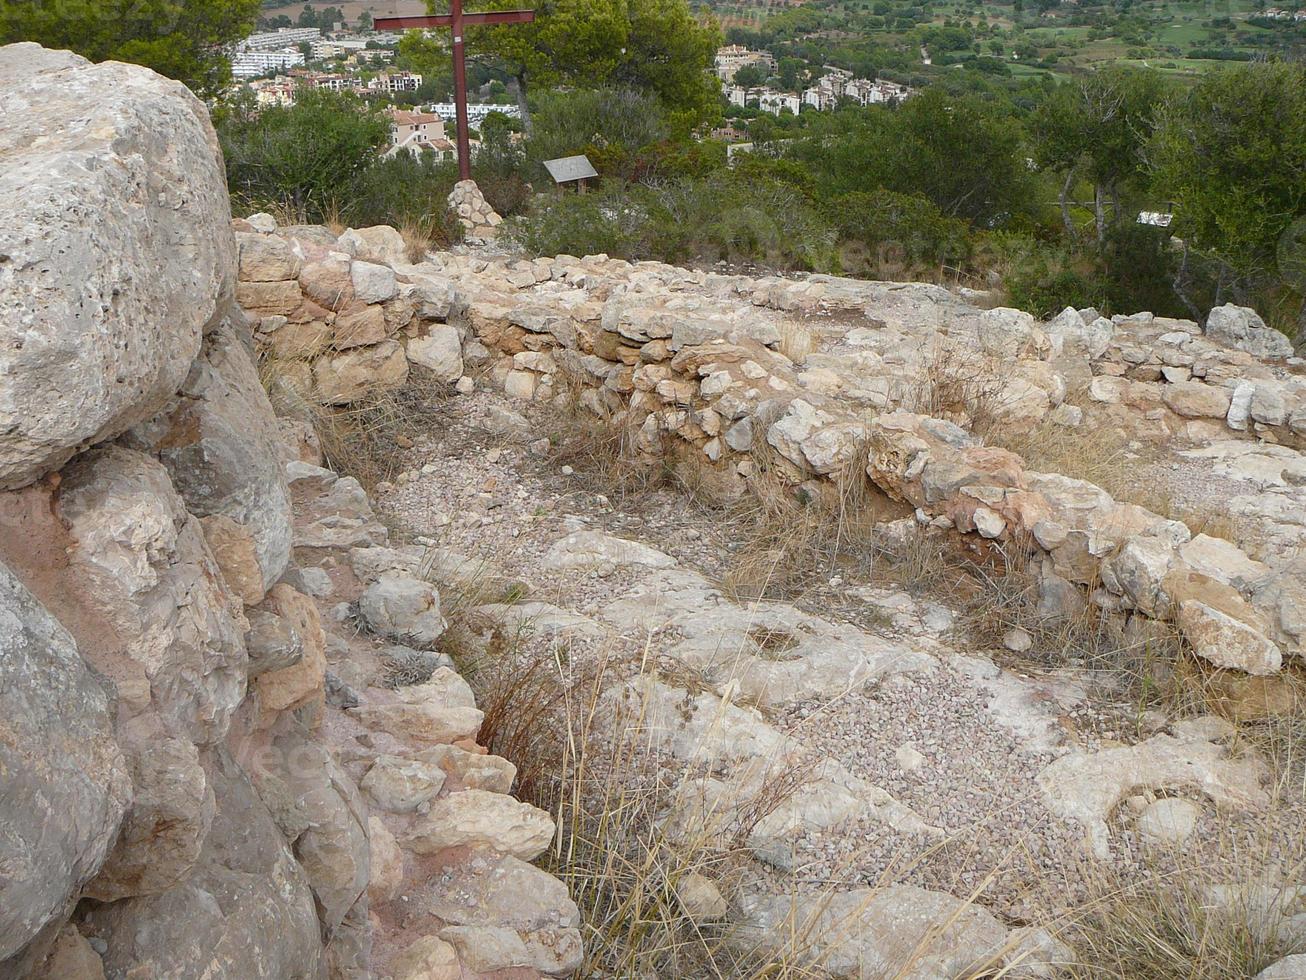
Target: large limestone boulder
65, 783
152, 611
1242, 328
246, 910
118, 253
221, 445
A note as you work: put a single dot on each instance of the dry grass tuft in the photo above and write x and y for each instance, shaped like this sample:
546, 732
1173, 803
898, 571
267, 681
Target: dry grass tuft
607, 452
786, 537
962, 386
367, 439
419, 238
1104, 455
796, 341
1211, 920
630, 841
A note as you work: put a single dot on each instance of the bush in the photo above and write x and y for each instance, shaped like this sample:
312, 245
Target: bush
406, 191
319, 160
1043, 280
308, 157
610, 126
692, 220
905, 231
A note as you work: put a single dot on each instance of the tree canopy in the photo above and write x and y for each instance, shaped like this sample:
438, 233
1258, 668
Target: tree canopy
1231, 155
652, 45
183, 39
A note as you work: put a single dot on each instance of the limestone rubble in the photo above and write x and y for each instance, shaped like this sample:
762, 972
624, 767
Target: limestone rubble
180, 760
232, 742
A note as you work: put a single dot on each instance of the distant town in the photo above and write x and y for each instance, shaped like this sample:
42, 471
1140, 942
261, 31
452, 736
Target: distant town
273, 66
834, 86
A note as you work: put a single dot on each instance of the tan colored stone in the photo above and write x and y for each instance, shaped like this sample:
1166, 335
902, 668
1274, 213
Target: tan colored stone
300, 341
1226, 641
269, 298
430, 958
478, 819
72, 958
327, 282
1193, 399
265, 258
354, 374
305, 682
236, 553
358, 326
387, 862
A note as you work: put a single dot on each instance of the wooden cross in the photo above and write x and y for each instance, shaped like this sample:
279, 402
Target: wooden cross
456, 19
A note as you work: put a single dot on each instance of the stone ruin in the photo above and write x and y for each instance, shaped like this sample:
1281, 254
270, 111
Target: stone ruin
190, 785
234, 748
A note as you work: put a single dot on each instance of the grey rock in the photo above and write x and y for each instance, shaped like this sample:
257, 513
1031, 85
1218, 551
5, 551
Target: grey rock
1288, 968
339, 694
167, 628
898, 931
1243, 329
222, 445
66, 786
245, 911
403, 608
171, 812
272, 642
117, 245
326, 820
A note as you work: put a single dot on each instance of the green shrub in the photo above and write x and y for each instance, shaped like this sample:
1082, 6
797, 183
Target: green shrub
1044, 280
308, 157
721, 217
610, 126
902, 231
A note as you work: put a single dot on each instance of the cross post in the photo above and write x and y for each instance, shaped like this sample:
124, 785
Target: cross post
456, 20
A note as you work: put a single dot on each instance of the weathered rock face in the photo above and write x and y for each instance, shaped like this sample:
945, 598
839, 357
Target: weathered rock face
118, 250
170, 636
221, 445
1243, 328
65, 783
246, 910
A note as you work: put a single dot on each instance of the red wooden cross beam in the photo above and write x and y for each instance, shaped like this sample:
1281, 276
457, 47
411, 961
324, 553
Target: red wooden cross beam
456, 19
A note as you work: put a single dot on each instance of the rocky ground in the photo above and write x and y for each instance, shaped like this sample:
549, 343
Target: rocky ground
690, 623
955, 750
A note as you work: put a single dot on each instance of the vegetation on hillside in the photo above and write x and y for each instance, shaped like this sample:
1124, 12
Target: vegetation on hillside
183, 39
1011, 163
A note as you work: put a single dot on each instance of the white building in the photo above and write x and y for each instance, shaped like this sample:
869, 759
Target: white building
273, 92
251, 64
285, 37
877, 92
397, 81
333, 82
476, 113
839, 84
769, 100
764, 98
735, 56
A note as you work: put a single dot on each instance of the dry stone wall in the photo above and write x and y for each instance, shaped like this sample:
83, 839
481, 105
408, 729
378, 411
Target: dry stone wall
905, 371
204, 767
